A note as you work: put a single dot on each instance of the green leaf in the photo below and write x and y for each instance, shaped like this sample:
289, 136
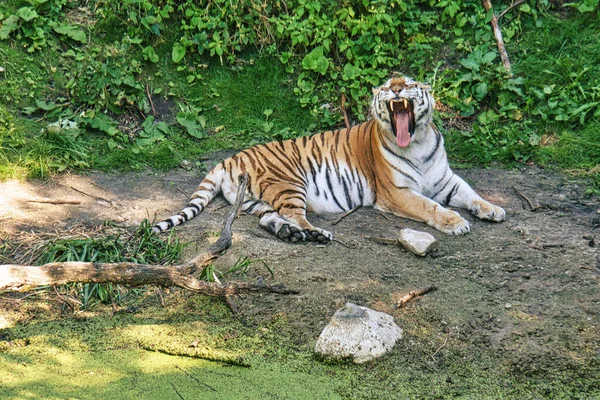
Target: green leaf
351, 71
178, 52
526, 8
469, 63
27, 13
45, 105
9, 25
316, 61
150, 54
587, 6
72, 32
488, 58
188, 121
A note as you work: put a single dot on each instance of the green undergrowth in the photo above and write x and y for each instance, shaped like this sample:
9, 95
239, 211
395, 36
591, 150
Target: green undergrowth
109, 244
115, 85
216, 355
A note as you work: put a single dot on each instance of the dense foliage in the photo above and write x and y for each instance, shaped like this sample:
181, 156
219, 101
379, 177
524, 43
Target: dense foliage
115, 56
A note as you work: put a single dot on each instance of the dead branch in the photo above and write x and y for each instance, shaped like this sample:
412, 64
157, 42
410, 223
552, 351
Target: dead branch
337, 221
98, 198
415, 293
344, 112
21, 278
150, 100
53, 201
513, 5
487, 4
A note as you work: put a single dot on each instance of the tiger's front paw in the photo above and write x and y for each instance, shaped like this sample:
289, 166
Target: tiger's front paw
485, 210
452, 223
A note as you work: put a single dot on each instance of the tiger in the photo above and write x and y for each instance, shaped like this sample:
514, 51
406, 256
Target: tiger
395, 162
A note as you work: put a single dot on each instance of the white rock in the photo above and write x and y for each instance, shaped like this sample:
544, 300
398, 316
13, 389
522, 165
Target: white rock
418, 242
359, 333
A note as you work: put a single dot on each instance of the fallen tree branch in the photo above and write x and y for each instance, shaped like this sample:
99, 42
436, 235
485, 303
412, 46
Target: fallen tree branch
53, 201
22, 278
415, 293
487, 4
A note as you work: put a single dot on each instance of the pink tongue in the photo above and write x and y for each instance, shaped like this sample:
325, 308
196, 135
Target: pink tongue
402, 133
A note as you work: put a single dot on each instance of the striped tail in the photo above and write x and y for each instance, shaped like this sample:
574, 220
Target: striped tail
206, 191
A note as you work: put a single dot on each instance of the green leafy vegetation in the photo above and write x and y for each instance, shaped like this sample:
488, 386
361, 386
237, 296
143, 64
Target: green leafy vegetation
110, 245
154, 83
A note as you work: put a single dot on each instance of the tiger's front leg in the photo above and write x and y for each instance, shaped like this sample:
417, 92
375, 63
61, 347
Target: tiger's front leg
459, 194
407, 203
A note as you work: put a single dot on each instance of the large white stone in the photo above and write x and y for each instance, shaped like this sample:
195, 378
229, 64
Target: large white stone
359, 333
418, 242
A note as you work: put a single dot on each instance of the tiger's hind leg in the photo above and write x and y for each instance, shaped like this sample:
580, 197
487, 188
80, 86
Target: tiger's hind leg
282, 208
289, 231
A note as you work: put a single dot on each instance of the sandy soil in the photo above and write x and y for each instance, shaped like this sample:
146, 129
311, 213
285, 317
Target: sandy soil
528, 287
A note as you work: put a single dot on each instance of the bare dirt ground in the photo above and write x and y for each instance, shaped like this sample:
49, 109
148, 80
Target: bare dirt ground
527, 289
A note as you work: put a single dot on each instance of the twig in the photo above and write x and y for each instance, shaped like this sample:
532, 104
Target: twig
176, 391
526, 199
487, 4
162, 299
184, 193
346, 245
150, 99
384, 216
441, 347
53, 201
586, 267
337, 221
91, 195
64, 300
344, 112
196, 379
413, 294
513, 5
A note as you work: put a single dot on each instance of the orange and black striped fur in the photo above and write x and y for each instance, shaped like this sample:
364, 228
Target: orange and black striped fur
395, 162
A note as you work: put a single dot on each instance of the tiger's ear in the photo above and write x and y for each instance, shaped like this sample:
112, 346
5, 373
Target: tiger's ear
376, 90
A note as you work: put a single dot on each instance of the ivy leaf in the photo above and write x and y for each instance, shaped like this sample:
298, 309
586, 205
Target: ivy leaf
178, 52
316, 61
27, 13
9, 25
72, 32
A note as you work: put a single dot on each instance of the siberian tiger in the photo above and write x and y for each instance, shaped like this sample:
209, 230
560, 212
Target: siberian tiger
395, 162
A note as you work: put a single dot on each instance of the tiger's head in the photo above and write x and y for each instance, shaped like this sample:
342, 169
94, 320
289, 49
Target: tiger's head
402, 107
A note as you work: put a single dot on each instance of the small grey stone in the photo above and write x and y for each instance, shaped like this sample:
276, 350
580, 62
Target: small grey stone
418, 242
358, 333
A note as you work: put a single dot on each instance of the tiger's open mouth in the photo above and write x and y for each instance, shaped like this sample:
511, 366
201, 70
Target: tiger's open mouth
403, 118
